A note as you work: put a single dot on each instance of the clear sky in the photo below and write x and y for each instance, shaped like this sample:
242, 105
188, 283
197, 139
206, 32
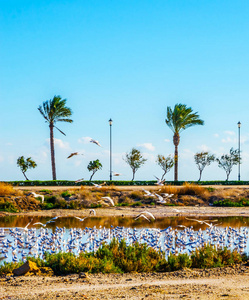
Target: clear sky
125, 60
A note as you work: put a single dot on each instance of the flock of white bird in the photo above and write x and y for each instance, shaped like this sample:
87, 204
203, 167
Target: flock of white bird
18, 243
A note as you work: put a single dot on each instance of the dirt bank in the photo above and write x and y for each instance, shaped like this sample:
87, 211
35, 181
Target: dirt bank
225, 283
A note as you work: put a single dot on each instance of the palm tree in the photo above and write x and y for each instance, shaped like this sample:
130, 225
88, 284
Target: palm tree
179, 119
55, 111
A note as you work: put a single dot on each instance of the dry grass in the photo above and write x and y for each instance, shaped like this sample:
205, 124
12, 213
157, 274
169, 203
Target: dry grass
7, 189
228, 193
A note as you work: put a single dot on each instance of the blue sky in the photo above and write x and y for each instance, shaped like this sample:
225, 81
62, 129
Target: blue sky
127, 60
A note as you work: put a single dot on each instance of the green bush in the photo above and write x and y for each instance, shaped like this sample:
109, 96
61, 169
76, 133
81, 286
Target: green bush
228, 203
119, 183
7, 206
66, 194
118, 257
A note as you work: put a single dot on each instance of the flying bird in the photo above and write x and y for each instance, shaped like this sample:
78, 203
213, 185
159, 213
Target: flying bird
37, 195
109, 199
98, 185
159, 181
95, 142
74, 153
45, 224
147, 193
142, 216
92, 211
116, 174
146, 213
79, 180
81, 220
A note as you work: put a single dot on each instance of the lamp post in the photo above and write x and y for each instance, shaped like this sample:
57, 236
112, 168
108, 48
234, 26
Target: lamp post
239, 124
110, 123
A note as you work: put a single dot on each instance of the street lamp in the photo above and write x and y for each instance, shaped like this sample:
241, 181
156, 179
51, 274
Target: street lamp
110, 123
239, 124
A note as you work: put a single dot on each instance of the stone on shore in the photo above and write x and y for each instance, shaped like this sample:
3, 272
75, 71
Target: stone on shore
29, 266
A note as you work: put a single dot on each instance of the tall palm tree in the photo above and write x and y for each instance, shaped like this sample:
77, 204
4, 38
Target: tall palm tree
55, 111
179, 119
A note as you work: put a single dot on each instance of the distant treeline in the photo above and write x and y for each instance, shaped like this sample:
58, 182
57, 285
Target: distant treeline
118, 183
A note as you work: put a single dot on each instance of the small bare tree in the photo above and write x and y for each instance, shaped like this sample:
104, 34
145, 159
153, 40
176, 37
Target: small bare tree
203, 159
166, 163
135, 160
227, 161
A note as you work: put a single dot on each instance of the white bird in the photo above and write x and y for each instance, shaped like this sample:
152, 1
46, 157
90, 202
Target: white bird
116, 174
142, 216
37, 195
95, 142
176, 210
92, 211
109, 199
159, 181
74, 153
79, 180
148, 193
26, 227
148, 213
98, 185
45, 224
81, 220
160, 199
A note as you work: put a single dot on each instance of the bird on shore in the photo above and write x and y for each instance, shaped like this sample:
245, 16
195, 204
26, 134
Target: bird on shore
37, 195
95, 142
74, 153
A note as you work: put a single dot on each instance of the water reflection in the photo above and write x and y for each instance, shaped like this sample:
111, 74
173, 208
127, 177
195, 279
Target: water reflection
160, 223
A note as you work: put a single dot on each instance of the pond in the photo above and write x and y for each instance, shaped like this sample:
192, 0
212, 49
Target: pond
169, 234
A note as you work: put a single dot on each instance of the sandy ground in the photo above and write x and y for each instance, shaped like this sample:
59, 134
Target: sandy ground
157, 211
226, 283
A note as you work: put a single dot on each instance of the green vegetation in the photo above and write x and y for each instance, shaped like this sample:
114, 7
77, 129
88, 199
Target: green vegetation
119, 183
227, 161
7, 206
117, 257
135, 160
93, 167
228, 203
25, 164
166, 163
202, 160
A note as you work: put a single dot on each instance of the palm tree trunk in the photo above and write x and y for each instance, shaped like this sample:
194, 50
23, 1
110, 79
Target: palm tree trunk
176, 141
25, 175
51, 127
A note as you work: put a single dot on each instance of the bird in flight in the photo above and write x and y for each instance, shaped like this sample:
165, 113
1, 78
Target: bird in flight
37, 195
116, 174
98, 186
45, 224
109, 199
159, 181
74, 153
95, 142
147, 193
142, 216
92, 211
79, 180
145, 213
81, 220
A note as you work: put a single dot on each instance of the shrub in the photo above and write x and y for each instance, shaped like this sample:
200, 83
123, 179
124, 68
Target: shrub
66, 194
7, 206
6, 189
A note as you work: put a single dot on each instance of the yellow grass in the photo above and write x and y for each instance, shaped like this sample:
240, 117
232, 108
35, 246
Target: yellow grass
6, 189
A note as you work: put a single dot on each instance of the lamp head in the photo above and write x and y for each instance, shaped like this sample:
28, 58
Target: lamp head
239, 124
110, 122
